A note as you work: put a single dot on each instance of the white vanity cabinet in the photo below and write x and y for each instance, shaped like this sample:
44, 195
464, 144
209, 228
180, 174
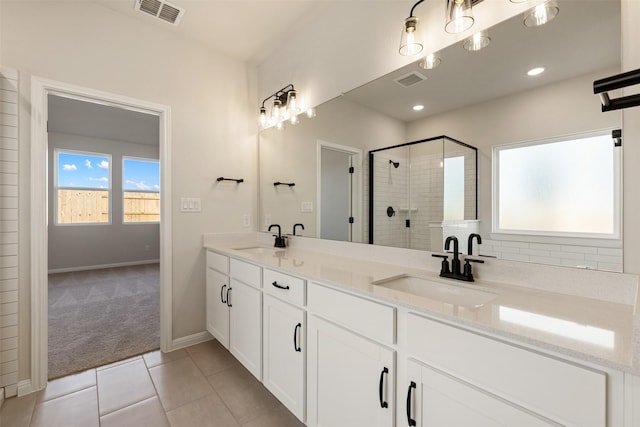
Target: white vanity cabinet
458, 375
351, 377
234, 308
284, 343
217, 297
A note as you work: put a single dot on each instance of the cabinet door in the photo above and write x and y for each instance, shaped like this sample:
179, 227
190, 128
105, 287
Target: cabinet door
217, 309
284, 353
245, 324
350, 378
435, 399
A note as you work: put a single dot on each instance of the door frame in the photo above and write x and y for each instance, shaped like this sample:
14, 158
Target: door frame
356, 187
40, 90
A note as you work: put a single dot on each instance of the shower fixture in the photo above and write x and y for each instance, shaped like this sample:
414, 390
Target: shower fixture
395, 164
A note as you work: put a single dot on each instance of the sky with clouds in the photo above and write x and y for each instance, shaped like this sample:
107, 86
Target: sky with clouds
92, 171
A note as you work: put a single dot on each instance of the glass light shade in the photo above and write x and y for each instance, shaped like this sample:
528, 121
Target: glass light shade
292, 102
263, 116
410, 43
478, 41
275, 111
541, 14
430, 62
459, 16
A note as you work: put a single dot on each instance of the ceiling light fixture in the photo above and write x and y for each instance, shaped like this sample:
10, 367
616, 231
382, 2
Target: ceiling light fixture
536, 71
459, 16
418, 107
430, 62
541, 14
286, 106
478, 41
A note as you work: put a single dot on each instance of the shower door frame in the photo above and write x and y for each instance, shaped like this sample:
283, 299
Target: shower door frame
406, 144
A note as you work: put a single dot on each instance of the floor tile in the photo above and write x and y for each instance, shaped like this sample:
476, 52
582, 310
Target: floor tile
148, 413
179, 382
243, 394
123, 385
278, 417
157, 357
211, 357
76, 409
68, 384
118, 363
17, 411
204, 412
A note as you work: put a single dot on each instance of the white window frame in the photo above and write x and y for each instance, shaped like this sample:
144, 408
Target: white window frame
142, 159
591, 239
56, 187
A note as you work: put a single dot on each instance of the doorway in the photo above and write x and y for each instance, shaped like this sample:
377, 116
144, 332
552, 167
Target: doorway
41, 90
339, 190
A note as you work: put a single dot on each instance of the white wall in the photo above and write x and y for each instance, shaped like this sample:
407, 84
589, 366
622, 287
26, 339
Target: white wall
85, 44
84, 246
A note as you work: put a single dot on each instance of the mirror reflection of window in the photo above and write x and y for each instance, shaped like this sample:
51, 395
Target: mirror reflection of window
566, 187
454, 188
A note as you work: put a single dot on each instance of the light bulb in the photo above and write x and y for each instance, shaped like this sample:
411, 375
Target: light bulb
263, 116
409, 42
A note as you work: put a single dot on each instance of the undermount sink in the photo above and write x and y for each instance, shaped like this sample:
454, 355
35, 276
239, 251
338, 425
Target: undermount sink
261, 250
462, 295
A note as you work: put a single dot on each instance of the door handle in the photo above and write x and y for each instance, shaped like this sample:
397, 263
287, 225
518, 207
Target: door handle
228, 297
410, 420
286, 288
222, 294
383, 404
296, 347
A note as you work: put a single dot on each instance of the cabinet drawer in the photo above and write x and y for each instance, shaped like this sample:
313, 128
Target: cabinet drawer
245, 272
285, 287
369, 318
561, 391
218, 262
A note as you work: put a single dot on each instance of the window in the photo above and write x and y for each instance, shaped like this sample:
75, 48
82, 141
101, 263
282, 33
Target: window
568, 187
454, 188
83, 188
141, 190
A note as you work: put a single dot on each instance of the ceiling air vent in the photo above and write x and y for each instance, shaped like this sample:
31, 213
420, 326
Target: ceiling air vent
410, 79
161, 10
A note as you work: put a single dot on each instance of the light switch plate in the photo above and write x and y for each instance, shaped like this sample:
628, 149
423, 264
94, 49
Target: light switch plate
306, 207
190, 204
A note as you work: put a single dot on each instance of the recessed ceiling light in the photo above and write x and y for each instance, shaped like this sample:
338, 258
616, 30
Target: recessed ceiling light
536, 71
418, 107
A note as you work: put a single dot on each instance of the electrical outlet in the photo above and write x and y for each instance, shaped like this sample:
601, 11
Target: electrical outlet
246, 220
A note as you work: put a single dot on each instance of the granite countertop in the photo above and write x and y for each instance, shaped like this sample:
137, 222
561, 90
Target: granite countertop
594, 330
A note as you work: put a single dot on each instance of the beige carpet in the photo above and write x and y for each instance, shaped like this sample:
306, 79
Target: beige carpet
98, 317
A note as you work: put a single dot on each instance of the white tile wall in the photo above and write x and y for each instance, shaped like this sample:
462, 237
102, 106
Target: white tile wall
608, 259
8, 229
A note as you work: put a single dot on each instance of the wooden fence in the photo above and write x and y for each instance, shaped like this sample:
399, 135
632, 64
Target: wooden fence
92, 206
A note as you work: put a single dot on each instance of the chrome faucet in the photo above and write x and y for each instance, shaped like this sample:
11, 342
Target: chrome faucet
280, 242
454, 272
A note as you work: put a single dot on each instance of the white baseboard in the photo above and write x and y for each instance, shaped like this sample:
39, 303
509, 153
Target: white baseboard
190, 340
1, 397
101, 266
24, 387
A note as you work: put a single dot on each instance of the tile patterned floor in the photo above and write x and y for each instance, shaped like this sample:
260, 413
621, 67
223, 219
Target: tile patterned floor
199, 386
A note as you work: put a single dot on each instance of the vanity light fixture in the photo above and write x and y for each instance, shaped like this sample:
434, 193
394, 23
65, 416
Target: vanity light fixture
430, 62
541, 14
410, 43
285, 106
476, 42
459, 16
536, 71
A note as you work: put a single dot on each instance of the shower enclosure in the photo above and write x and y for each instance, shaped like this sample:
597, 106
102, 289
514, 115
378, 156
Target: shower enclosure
421, 191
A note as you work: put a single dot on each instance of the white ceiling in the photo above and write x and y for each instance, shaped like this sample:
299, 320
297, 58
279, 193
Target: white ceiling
583, 38
243, 29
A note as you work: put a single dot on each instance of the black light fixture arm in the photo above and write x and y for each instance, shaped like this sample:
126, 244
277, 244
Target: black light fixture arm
414, 7
281, 94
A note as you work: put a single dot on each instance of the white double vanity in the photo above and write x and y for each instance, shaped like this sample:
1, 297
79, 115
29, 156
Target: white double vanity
358, 335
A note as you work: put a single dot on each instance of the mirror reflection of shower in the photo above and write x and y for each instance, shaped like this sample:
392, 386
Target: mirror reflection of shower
433, 195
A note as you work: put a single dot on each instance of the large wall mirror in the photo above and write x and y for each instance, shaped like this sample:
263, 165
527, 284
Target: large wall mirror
484, 99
